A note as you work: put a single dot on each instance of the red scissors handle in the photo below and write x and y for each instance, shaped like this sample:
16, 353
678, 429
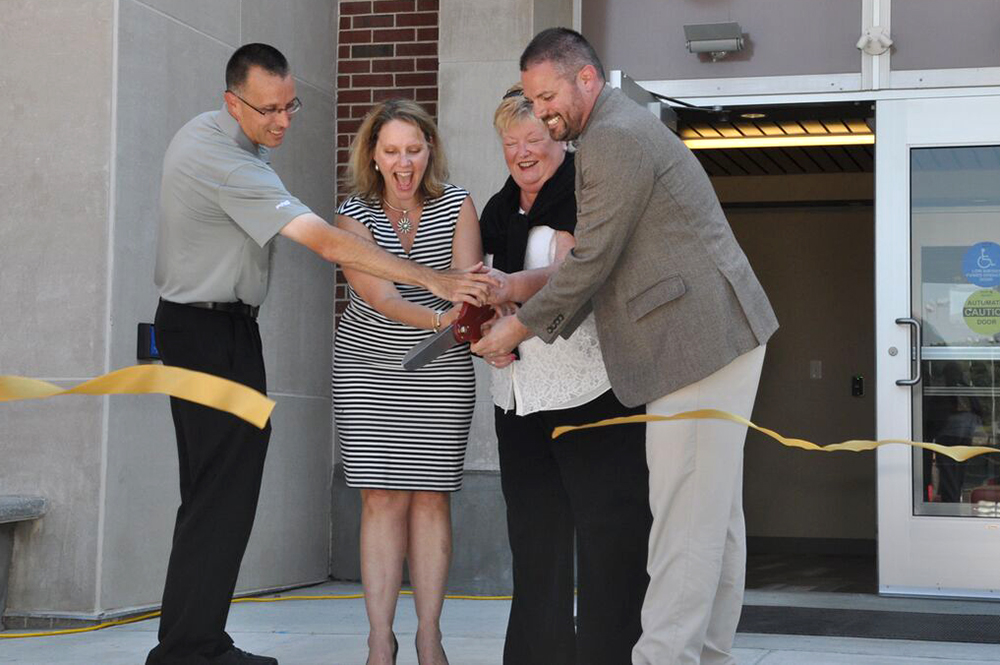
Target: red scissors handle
468, 327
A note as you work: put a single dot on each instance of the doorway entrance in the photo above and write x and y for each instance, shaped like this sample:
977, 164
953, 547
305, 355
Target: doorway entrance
804, 215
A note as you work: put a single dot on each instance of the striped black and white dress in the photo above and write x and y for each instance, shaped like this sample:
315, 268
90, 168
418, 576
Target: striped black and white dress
398, 429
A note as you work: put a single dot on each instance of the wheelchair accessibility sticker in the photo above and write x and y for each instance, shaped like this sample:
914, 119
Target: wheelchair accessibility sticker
981, 265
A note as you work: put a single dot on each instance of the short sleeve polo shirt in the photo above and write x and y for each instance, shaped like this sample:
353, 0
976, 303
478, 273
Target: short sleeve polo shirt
221, 203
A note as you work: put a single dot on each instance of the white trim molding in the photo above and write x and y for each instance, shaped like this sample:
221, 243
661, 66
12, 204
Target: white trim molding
807, 97
755, 85
944, 78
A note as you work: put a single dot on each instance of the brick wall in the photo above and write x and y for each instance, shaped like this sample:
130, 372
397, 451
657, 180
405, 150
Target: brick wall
386, 49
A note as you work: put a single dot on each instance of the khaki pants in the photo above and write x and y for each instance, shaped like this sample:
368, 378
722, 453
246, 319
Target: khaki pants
697, 546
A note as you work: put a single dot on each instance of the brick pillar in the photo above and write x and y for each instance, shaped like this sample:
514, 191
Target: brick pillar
386, 49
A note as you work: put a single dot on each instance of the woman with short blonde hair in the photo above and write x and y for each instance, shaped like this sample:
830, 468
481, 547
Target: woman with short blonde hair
514, 107
580, 502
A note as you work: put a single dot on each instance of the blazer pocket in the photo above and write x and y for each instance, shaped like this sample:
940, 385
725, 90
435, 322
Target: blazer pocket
667, 289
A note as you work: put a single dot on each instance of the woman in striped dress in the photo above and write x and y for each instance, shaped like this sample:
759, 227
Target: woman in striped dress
403, 434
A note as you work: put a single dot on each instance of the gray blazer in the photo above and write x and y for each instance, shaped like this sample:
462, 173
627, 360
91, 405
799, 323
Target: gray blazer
672, 292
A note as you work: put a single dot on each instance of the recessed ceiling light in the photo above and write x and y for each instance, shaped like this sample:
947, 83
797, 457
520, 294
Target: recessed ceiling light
753, 116
781, 141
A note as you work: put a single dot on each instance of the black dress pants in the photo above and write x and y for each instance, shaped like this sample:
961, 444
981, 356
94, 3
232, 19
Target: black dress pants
951, 473
221, 464
593, 484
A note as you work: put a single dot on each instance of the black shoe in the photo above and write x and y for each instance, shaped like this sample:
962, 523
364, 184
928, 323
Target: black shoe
239, 657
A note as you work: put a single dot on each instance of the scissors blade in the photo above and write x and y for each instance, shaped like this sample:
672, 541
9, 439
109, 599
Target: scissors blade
429, 349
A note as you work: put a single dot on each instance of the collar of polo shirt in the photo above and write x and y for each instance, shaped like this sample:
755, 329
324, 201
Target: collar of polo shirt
228, 124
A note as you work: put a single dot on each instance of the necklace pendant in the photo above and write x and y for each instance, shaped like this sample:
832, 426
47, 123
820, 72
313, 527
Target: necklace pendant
404, 225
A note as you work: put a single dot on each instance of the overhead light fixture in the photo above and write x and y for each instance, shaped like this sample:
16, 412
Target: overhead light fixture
753, 116
791, 133
786, 141
716, 39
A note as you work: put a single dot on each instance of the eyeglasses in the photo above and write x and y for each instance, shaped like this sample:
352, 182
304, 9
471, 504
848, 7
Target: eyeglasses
293, 107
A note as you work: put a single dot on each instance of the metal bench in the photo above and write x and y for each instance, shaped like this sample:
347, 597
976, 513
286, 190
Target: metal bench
13, 510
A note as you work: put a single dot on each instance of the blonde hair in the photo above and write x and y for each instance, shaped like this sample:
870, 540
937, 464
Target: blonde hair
514, 107
364, 180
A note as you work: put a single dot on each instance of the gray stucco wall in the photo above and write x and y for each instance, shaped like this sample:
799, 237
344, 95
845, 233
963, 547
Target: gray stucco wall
945, 35
645, 38
95, 103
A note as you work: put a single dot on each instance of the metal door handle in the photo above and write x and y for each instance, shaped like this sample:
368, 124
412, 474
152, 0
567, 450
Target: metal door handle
914, 350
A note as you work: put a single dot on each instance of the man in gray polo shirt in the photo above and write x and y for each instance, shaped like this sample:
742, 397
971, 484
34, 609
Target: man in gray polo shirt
221, 205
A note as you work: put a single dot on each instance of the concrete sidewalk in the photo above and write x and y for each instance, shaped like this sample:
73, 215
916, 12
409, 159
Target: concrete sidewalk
333, 632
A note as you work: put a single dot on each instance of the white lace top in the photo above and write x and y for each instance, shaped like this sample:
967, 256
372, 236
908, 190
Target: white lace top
564, 374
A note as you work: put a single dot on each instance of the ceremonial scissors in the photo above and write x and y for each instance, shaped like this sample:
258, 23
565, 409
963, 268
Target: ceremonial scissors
468, 327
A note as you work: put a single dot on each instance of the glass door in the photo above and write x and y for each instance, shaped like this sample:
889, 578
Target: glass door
955, 269
938, 343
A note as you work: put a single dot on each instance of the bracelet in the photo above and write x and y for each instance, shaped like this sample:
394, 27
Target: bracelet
437, 320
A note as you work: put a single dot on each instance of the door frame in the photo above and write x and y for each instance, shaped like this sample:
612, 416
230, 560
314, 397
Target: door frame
918, 554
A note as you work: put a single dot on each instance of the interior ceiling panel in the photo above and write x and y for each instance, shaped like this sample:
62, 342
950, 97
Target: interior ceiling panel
846, 120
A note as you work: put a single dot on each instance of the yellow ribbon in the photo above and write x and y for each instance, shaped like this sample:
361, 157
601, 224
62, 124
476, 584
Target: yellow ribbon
957, 453
255, 408
205, 389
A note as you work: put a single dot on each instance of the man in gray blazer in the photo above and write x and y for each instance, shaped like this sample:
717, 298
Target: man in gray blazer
682, 322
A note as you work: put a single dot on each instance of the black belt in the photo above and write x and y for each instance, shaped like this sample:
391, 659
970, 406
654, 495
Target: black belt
237, 307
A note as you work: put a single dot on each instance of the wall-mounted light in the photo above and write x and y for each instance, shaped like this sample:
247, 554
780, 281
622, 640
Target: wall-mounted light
716, 39
875, 40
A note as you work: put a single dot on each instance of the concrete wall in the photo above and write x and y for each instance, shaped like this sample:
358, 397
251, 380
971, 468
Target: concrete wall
550, 13
56, 92
95, 103
289, 543
480, 45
